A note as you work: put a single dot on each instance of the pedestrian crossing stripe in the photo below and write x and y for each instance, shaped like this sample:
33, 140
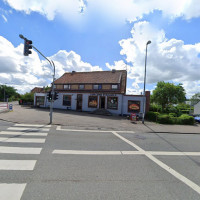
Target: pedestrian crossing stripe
34, 125
12, 191
20, 150
23, 133
17, 164
22, 140
27, 129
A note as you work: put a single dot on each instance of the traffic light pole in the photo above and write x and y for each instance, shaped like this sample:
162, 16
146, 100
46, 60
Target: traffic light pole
53, 65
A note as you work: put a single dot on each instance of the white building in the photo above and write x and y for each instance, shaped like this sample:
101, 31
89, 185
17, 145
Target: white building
197, 109
89, 91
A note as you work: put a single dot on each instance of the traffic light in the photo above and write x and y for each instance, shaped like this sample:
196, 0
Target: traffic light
27, 46
49, 96
55, 96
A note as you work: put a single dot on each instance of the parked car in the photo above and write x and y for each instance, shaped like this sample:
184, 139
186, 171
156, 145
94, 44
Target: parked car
197, 118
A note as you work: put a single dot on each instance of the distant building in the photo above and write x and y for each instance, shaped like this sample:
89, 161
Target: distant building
89, 91
197, 108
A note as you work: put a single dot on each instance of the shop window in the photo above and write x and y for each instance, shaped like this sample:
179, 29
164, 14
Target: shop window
114, 87
40, 101
133, 106
67, 87
97, 87
81, 87
92, 102
112, 103
66, 100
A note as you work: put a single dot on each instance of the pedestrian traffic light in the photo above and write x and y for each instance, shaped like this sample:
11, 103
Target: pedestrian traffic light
49, 96
55, 96
27, 46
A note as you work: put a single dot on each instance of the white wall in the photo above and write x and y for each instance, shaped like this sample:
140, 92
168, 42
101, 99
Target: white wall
122, 102
133, 98
197, 109
40, 95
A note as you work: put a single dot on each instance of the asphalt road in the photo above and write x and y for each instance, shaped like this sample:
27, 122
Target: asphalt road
57, 164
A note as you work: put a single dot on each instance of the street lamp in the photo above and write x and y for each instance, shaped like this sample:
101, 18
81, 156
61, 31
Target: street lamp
144, 102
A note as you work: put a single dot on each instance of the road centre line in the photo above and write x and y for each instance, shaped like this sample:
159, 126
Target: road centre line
20, 150
22, 140
182, 178
34, 125
17, 191
58, 128
17, 164
23, 133
75, 152
27, 129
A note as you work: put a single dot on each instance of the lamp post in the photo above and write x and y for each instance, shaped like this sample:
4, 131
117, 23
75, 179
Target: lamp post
144, 102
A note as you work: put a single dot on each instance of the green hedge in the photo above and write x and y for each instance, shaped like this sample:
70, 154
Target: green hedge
152, 116
170, 118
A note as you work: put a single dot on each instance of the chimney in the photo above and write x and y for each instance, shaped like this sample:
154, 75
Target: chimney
73, 72
113, 70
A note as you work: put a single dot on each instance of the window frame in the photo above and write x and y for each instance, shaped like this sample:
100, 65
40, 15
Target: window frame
114, 85
108, 103
80, 87
99, 87
66, 101
89, 101
66, 85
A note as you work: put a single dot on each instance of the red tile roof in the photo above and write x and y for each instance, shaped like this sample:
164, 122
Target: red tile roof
97, 77
37, 90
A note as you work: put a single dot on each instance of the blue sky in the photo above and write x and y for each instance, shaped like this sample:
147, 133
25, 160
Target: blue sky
88, 35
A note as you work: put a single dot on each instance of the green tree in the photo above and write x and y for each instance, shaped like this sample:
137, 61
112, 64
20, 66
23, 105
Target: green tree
10, 92
195, 99
28, 97
167, 94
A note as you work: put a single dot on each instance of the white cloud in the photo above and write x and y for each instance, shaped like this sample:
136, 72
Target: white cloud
26, 72
5, 19
115, 11
167, 60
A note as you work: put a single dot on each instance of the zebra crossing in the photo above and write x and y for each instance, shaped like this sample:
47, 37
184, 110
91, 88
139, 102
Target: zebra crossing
19, 139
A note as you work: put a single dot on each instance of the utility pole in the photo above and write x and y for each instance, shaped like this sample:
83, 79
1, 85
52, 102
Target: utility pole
28, 45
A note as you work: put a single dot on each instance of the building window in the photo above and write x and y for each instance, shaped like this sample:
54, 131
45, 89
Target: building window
67, 87
92, 102
66, 100
39, 101
81, 87
133, 106
114, 87
112, 103
97, 87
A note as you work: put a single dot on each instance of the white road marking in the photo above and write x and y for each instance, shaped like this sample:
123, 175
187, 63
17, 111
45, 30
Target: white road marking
58, 128
182, 178
20, 150
23, 133
34, 125
166, 153
17, 164
22, 140
11, 191
160, 153
27, 129
75, 152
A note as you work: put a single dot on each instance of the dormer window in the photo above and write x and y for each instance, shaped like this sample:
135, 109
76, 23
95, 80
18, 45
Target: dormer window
97, 87
66, 87
114, 87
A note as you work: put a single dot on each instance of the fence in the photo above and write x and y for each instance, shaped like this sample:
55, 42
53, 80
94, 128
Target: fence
3, 106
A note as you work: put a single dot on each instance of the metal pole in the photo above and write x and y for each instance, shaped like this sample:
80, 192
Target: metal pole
51, 105
144, 99
4, 94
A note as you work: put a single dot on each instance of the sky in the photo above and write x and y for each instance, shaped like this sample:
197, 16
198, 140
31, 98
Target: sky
96, 35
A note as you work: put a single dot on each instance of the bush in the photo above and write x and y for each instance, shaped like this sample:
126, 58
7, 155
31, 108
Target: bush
164, 119
186, 119
172, 114
155, 108
152, 116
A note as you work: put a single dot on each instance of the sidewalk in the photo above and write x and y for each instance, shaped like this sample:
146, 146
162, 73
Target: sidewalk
83, 120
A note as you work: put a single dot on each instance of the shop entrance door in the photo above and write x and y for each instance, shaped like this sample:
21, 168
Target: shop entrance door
102, 103
79, 102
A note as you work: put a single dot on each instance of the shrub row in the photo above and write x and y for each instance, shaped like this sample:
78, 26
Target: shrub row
170, 118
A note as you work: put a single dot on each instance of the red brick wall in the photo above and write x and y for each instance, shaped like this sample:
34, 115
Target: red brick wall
147, 94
